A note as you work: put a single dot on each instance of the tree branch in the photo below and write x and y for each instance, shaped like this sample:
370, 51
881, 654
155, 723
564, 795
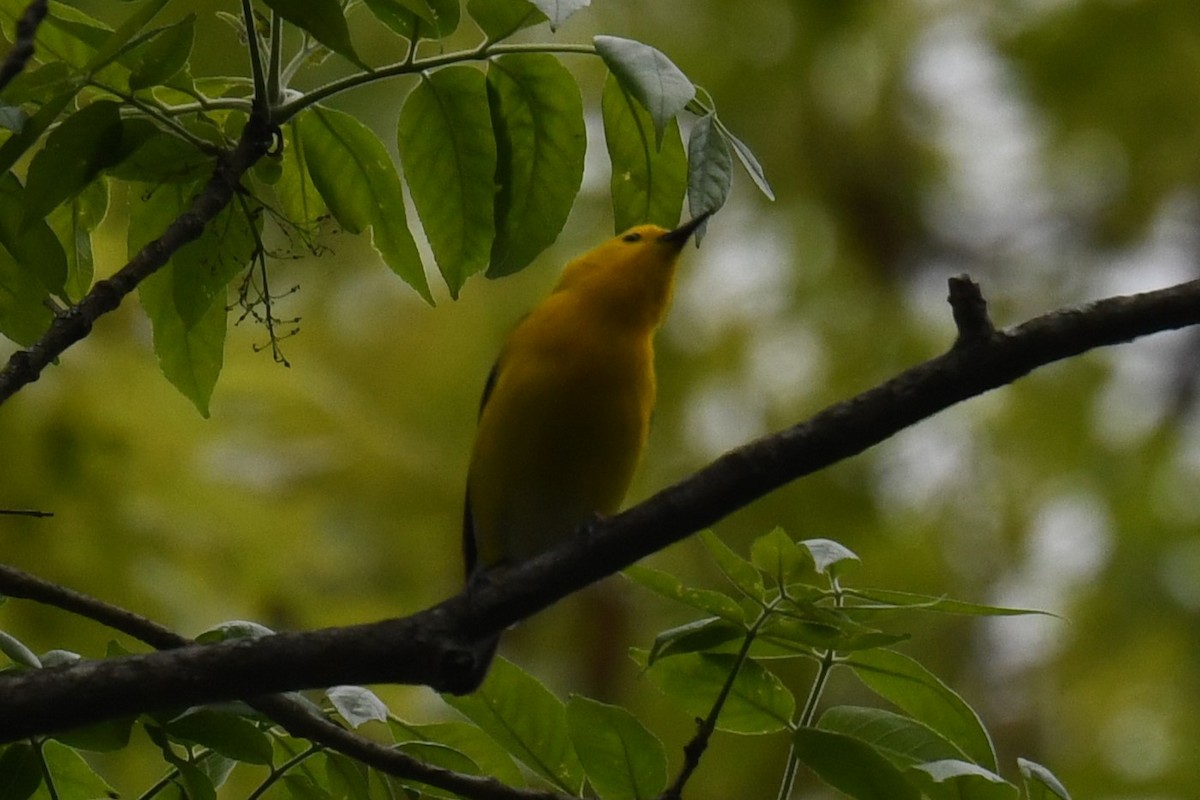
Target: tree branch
22, 48
294, 716
68, 327
434, 646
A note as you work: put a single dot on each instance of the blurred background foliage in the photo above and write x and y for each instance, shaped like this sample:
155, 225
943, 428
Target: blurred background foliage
1050, 148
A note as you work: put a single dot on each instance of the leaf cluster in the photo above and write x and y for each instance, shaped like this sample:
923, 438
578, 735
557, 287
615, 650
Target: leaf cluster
787, 601
491, 158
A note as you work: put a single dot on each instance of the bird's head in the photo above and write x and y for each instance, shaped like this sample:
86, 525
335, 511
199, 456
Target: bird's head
632, 274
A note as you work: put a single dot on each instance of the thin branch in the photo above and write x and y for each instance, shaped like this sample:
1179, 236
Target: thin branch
409, 66
68, 327
275, 83
693, 751
159, 115
435, 647
256, 61
18, 584
22, 49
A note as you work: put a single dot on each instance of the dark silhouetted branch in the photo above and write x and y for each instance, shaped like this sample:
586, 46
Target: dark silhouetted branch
291, 714
22, 48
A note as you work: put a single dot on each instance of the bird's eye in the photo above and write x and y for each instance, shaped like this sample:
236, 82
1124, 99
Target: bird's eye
631, 237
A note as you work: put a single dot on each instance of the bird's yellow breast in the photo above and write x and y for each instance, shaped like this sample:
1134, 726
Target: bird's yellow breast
561, 432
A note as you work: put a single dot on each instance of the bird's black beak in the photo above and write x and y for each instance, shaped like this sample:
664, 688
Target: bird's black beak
680, 235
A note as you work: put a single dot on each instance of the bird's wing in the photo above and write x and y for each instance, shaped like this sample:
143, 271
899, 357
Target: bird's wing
489, 385
469, 542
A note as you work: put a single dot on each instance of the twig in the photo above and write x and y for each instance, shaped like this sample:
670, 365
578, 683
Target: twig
970, 311
22, 48
693, 751
25, 366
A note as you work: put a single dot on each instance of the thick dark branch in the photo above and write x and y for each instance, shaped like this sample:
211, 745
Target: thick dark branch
433, 647
291, 714
68, 327
22, 48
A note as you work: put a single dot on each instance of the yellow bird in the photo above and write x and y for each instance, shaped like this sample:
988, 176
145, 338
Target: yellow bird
566, 408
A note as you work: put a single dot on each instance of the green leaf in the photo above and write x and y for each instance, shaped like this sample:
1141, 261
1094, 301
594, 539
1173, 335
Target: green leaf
163, 55
302, 787
203, 268
904, 682
777, 556
710, 171
446, 14
38, 85
904, 741
357, 705
746, 156
647, 182
321, 19
740, 572
499, 19
103, 737
525, 718
826, 629
851, 766
195, 783
190, 355
73, 778
890, 599
952, 779
438, 755
11, 117
230, 735
650, 77
20, 772
155, 156
17, 652
557, 11
73, 224
295, 191
621, 758
401, 16
15, 146
354, 174
757, 703
537, 118
700, 636
24, 317
114, 43
346, 778
76, 151
427, 19
56, 41
829, 556
216, 768
233, 629
1041, 783
670, 587
491, 758
449, 156
31, 242
59, 657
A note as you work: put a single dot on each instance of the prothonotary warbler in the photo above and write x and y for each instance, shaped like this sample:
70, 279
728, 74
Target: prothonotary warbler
566, 408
